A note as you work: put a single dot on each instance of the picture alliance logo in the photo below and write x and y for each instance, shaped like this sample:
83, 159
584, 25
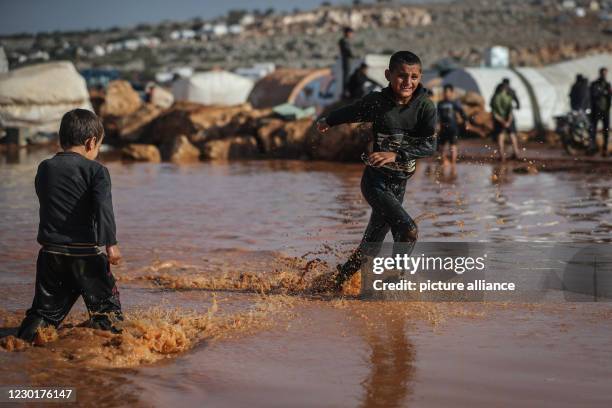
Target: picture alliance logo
413, 264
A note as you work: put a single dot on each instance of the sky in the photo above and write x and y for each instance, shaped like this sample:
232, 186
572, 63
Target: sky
31, 16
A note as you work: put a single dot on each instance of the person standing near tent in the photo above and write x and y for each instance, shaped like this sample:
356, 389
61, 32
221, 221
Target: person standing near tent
503, 119
346, 54
505, 83
448, 132
403, 126
601, 94
76, 218
580, 95
359, 82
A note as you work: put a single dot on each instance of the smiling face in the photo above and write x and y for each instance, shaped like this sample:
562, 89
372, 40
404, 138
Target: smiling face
404, 80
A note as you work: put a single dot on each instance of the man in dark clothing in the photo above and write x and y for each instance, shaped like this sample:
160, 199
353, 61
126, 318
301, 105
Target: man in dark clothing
403, 125
345, 56
76, 217
358, 81
448, 133
601, 94
579, 94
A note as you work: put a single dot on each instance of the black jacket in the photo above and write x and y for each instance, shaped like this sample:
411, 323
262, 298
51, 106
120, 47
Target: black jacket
357, 84
345, 49
447, 114
75, 202
413, 126
580, 95
601, 95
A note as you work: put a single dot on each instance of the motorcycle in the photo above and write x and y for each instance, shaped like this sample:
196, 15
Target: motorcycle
573, 128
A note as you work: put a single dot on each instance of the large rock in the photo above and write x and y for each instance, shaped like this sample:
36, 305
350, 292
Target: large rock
120, 99
277, 138
339, 143
180, 150
481, 124
161, 97
473, 100
141, 152
132, 127
235, 147
200, 122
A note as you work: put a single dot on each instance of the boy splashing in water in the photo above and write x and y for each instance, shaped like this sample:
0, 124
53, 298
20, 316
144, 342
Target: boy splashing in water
76, 217
403, 124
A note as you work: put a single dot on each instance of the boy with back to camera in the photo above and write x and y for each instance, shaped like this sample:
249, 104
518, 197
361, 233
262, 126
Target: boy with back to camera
403, 125
448, 129
76, 218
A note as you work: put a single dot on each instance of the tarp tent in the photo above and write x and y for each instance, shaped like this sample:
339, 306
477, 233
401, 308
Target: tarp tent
301, 87
542, 92
37, 96
213, 88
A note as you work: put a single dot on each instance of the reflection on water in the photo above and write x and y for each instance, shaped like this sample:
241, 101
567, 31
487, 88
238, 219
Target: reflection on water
240, 218
391, 360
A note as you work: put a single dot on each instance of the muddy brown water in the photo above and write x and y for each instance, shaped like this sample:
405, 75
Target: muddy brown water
218, 315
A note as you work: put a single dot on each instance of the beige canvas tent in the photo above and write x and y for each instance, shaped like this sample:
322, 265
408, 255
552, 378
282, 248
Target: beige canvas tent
37, 96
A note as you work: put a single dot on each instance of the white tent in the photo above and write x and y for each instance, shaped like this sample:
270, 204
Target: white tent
542, 92
213, 88
37, 96
485, 80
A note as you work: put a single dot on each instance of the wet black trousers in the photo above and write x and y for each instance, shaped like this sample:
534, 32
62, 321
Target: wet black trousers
60, 280
385, 194
604, 117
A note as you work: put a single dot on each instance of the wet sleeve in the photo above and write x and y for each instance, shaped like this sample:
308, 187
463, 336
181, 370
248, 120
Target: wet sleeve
103, 208
364, 110
423, 144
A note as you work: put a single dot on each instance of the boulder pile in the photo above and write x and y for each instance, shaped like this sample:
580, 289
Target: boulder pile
189, 131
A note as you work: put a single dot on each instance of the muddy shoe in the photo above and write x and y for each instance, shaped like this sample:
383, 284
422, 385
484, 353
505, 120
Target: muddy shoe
340, 278
347, 269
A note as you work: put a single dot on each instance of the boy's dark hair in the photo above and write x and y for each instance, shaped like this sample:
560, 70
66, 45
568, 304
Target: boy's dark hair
449, 87
603, 70
347, 30
77, 126
403, 57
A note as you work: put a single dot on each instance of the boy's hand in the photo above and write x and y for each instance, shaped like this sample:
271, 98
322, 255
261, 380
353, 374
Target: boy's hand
114, 255
322, 125
381, 158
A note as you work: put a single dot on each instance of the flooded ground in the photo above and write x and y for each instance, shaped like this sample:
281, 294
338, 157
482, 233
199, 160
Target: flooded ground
221, 263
